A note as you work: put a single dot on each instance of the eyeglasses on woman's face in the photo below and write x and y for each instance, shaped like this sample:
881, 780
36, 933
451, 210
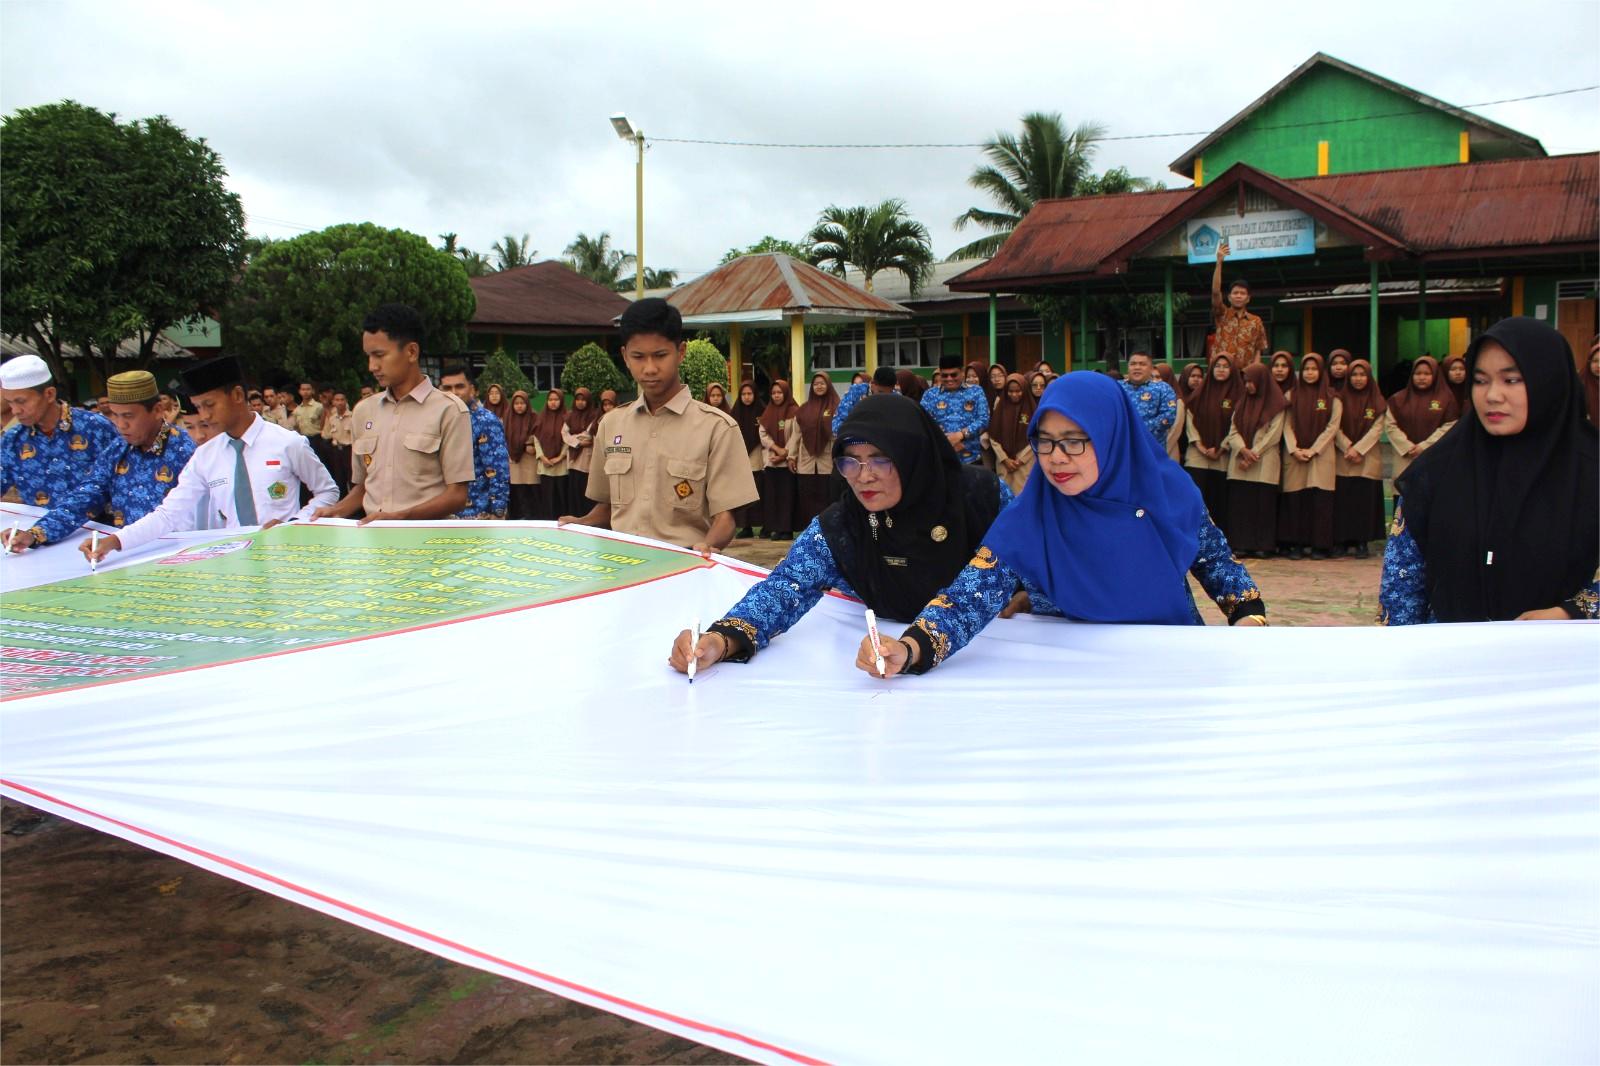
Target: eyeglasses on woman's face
1068, 445
851, 467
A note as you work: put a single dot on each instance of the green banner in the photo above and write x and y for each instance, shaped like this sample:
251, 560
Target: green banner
299, 586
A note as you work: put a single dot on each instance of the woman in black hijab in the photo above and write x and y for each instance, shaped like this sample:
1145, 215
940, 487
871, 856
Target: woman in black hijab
1501, 518
912, 519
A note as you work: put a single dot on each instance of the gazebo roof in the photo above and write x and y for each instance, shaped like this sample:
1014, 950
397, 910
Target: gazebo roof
543, 297
770, 288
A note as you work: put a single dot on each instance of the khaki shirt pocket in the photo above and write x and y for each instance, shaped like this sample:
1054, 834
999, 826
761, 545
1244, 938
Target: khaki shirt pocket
619, 466
362, 451
686, 479
420, 459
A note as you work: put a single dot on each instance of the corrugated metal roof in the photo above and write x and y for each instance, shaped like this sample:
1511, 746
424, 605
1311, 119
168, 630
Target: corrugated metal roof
544, 294
1460, 211
773, 285
1184, 164
165, 348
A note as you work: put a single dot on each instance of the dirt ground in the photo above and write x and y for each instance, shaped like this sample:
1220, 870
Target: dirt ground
115, 954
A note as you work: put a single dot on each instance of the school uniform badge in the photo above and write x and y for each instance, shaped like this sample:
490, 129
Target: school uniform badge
683, 489
277, 490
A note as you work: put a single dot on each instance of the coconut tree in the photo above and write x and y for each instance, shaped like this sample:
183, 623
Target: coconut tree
872, 239
1044, 163
510, 252
595, 259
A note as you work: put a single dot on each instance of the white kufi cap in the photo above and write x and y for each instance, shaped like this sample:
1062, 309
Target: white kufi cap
24, 372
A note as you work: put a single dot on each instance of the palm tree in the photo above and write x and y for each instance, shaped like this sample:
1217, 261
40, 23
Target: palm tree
1046, 162
653, 279
595, 259
872, 239
510, 252
477, 263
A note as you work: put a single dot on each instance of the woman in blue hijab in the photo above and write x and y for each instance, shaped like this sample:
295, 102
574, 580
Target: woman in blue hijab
1107, 528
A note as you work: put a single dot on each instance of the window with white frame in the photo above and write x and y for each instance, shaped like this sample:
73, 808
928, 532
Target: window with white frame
898, 346
543, 368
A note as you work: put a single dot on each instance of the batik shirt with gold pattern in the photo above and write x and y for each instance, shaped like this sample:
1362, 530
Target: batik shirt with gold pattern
985, 585
43, 467
966, 410
126, 484
795, 585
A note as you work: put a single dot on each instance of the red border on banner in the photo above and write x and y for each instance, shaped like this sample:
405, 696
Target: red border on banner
422, 933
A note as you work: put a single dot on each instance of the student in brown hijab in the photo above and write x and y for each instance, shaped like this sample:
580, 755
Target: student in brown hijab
1008, 433
1358, 463
811, 460
910, 384
997, 383
495, 400
577, 433
1206, 426
777, 480
1454, 370
1338, 369
608, 401
747, 412
717, 396
551, 452
1255, 465
1282, 366
1305, 509
1419, 414
521, 448
1175, 440
1589, 376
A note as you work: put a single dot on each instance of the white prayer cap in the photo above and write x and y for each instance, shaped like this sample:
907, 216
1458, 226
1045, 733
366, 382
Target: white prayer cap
24, 372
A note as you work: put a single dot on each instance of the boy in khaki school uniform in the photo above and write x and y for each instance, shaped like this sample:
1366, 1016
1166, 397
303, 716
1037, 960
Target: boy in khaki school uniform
667, 466
412, 455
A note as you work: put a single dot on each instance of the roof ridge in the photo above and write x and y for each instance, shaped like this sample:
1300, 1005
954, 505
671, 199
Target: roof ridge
1537, 160
785, 266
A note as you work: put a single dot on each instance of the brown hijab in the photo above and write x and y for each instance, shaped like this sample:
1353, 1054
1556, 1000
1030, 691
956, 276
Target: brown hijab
816, 416
1461, 392
723, 404
501, 409
1591, 390
1356, 421
1421, 411
910, 384
748, 415
1213, 403
1288, 383
519, 427
1257, 411
1338, 384
982, 370
547, 426
779, 412
1185, 393
579, 422
1312, 404
1008, 426
1165, 372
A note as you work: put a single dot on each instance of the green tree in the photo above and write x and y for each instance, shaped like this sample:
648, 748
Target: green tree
597, 260
872, 239
653, 279
510, 252
793, 249
112, 231
591, 367
702, 364
297, 311
1046, 162
476, 263
500, 369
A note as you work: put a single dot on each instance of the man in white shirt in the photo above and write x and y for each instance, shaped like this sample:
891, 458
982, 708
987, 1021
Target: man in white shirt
249, 474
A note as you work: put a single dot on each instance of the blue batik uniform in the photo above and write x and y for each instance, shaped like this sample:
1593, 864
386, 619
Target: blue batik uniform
795, 585
1156, 405
985, 585
965, 410
128, 483
852, 396
489, 494
1403, 588
44, 469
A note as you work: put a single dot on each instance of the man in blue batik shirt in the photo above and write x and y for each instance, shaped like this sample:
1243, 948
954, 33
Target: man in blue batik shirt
52, 448
1153, 399
882, 381
962, 411
489, 495
131, 480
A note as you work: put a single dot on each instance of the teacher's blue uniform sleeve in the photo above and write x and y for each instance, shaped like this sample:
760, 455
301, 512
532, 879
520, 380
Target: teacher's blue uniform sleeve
852, 396
1402, 591
958, 614
782, 598
84, 500
1224, 578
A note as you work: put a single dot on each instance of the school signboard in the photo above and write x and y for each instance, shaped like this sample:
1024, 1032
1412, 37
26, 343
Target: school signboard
1254, 235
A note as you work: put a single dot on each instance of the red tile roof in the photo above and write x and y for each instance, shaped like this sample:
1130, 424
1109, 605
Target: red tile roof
548, 294
1462, 211
771, 281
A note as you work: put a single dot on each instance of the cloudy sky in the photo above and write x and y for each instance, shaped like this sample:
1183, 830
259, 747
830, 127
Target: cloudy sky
487, 118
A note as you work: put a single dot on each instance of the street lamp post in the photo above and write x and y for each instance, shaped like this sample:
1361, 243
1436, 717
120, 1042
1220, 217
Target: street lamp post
625, 130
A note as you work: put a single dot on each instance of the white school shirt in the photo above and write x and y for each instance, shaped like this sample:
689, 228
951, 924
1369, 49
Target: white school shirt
278, 461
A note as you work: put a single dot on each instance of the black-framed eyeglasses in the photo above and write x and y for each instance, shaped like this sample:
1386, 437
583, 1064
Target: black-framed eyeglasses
850, 467
1070, 445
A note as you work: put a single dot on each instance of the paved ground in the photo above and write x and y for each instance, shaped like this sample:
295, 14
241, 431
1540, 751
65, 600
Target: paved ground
115, 954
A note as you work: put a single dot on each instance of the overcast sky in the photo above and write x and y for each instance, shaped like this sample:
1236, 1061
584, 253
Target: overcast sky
487, 118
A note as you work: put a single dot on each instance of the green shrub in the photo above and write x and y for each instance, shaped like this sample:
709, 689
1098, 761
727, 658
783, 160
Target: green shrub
592, 368
500, 369
703, 364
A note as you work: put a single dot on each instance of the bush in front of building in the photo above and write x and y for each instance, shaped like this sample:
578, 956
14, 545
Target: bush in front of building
500, 369
592, 368
703, 364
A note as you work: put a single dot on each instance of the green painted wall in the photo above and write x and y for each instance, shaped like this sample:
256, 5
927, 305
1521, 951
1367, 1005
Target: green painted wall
1318, 108
1438, 343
